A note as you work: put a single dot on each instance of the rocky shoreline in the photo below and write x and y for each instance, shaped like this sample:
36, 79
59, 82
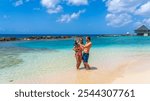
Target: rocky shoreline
33, 38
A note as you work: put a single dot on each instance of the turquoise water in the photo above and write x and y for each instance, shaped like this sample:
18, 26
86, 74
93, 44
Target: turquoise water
97, 42
21, 59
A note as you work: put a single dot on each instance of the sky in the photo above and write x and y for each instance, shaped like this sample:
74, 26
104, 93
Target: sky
73, 16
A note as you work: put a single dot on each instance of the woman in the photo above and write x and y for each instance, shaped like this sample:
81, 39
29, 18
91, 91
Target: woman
78, 52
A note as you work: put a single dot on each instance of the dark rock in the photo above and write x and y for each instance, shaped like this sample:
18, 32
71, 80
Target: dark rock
35, 38
11, 80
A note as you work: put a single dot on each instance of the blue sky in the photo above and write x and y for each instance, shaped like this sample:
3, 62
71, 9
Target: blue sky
73, 16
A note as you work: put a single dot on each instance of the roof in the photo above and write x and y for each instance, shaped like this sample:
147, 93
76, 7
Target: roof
143, 27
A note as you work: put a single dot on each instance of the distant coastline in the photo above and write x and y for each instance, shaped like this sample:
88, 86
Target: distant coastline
28, 37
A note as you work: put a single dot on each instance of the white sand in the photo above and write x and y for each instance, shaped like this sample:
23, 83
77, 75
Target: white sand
111, 66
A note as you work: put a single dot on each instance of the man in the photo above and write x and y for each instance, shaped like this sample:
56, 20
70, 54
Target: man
86, 49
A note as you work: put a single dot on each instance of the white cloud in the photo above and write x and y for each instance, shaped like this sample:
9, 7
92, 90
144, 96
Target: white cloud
145, 21
18, 3
78, 2
118, 20
69, 17
133, 10
49, 3
52, 6
54, 10
144, 9
117, 6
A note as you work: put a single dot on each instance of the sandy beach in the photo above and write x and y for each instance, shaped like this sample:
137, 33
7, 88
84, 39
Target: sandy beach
120, 75
120, 69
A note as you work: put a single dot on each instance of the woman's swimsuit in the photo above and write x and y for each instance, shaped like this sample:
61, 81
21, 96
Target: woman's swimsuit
78, 52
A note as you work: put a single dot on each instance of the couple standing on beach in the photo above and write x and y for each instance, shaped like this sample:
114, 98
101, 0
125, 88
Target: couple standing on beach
82, 51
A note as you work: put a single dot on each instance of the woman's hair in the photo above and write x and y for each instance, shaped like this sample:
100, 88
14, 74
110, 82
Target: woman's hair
81, 40
75, 43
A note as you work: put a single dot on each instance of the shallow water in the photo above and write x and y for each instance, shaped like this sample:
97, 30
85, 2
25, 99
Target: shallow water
25, 59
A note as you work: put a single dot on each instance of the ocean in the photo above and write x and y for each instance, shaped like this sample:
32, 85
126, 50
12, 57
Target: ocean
26, 59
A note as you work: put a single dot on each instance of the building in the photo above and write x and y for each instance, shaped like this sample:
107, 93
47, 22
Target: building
142, 31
